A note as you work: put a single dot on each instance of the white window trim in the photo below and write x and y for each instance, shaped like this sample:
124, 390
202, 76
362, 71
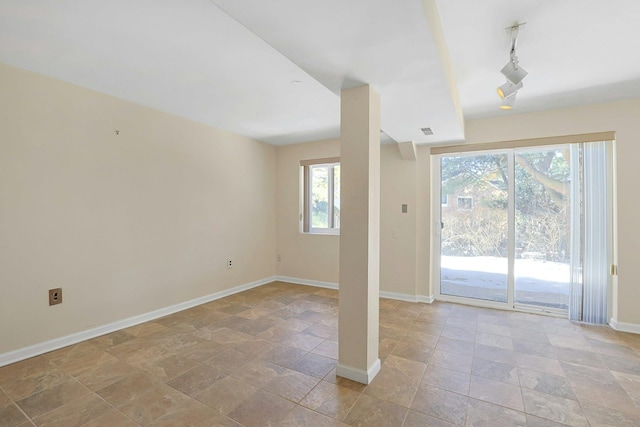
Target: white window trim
306, 185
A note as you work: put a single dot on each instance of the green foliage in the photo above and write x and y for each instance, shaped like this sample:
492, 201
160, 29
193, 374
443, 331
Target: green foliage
542, 180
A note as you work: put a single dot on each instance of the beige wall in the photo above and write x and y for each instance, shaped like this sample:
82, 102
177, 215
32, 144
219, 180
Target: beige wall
397, 229
404, 259
303, 256
126, 223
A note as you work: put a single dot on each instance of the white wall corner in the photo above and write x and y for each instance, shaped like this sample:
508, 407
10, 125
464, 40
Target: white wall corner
57, 343
632, 328
407, 150
359, 375
426, 298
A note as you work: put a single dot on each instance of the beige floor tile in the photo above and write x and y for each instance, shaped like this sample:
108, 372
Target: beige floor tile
30, 376
258, 372
303, 417
531, 335
75, 358
540, 364
409, 348
226, 394
75, 413
580, 357
193, 414
495, 354
321, 331
327, 348
255, 346
606, 416
546, 383
196, 379
229, 360
496, 392
417, 419
454, 361
495, 329
458, 334
495, 371
112, 339
442, 404
371, 412
447, 379
52, 398
112, 418
11, 416
484, 414
101, 375
291, 385
554, 408
533, 421
314, 365
284, 355
492, 340
262, 409
397, 381
331, 399
303, 341
142, 399
455, 346
535, 348
4, 399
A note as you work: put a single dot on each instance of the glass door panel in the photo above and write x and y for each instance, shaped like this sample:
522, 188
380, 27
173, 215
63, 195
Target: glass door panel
474, 215
542, 227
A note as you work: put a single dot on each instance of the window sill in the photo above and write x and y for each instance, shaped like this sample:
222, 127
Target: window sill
323, 232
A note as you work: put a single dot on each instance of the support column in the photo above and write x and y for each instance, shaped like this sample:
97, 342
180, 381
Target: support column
359, 234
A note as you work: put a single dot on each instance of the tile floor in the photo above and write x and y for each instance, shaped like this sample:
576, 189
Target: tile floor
267, 357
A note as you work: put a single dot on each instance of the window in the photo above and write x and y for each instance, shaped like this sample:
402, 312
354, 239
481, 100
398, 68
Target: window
321, 196
465, 202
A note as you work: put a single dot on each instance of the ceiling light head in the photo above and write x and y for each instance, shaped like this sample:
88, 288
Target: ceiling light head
508, 89
514, 72
508, 102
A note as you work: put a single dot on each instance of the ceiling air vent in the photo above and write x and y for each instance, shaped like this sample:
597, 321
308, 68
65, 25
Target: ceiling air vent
427, 131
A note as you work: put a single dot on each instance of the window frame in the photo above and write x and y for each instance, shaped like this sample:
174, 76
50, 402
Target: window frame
306, 167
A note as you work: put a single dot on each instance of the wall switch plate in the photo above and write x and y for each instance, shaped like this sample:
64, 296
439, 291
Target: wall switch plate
404, 208
55, 296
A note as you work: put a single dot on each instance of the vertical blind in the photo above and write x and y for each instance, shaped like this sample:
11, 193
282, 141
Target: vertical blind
591, 234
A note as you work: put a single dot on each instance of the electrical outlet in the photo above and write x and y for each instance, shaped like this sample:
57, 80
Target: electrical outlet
279, 258
55, 296
229, 263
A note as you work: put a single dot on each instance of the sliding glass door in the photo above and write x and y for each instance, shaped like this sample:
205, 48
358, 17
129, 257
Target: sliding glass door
506, 227
474, 221
542, 264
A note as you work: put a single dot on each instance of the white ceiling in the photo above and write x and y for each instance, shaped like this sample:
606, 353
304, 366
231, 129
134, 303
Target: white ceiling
274, 70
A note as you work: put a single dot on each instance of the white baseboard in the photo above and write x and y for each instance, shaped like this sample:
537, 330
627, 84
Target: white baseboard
56, 343
331, 285
633, 328
359, 375
307, 282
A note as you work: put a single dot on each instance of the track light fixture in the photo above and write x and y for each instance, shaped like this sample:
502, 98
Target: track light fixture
512, 71
508, 89
508, 102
